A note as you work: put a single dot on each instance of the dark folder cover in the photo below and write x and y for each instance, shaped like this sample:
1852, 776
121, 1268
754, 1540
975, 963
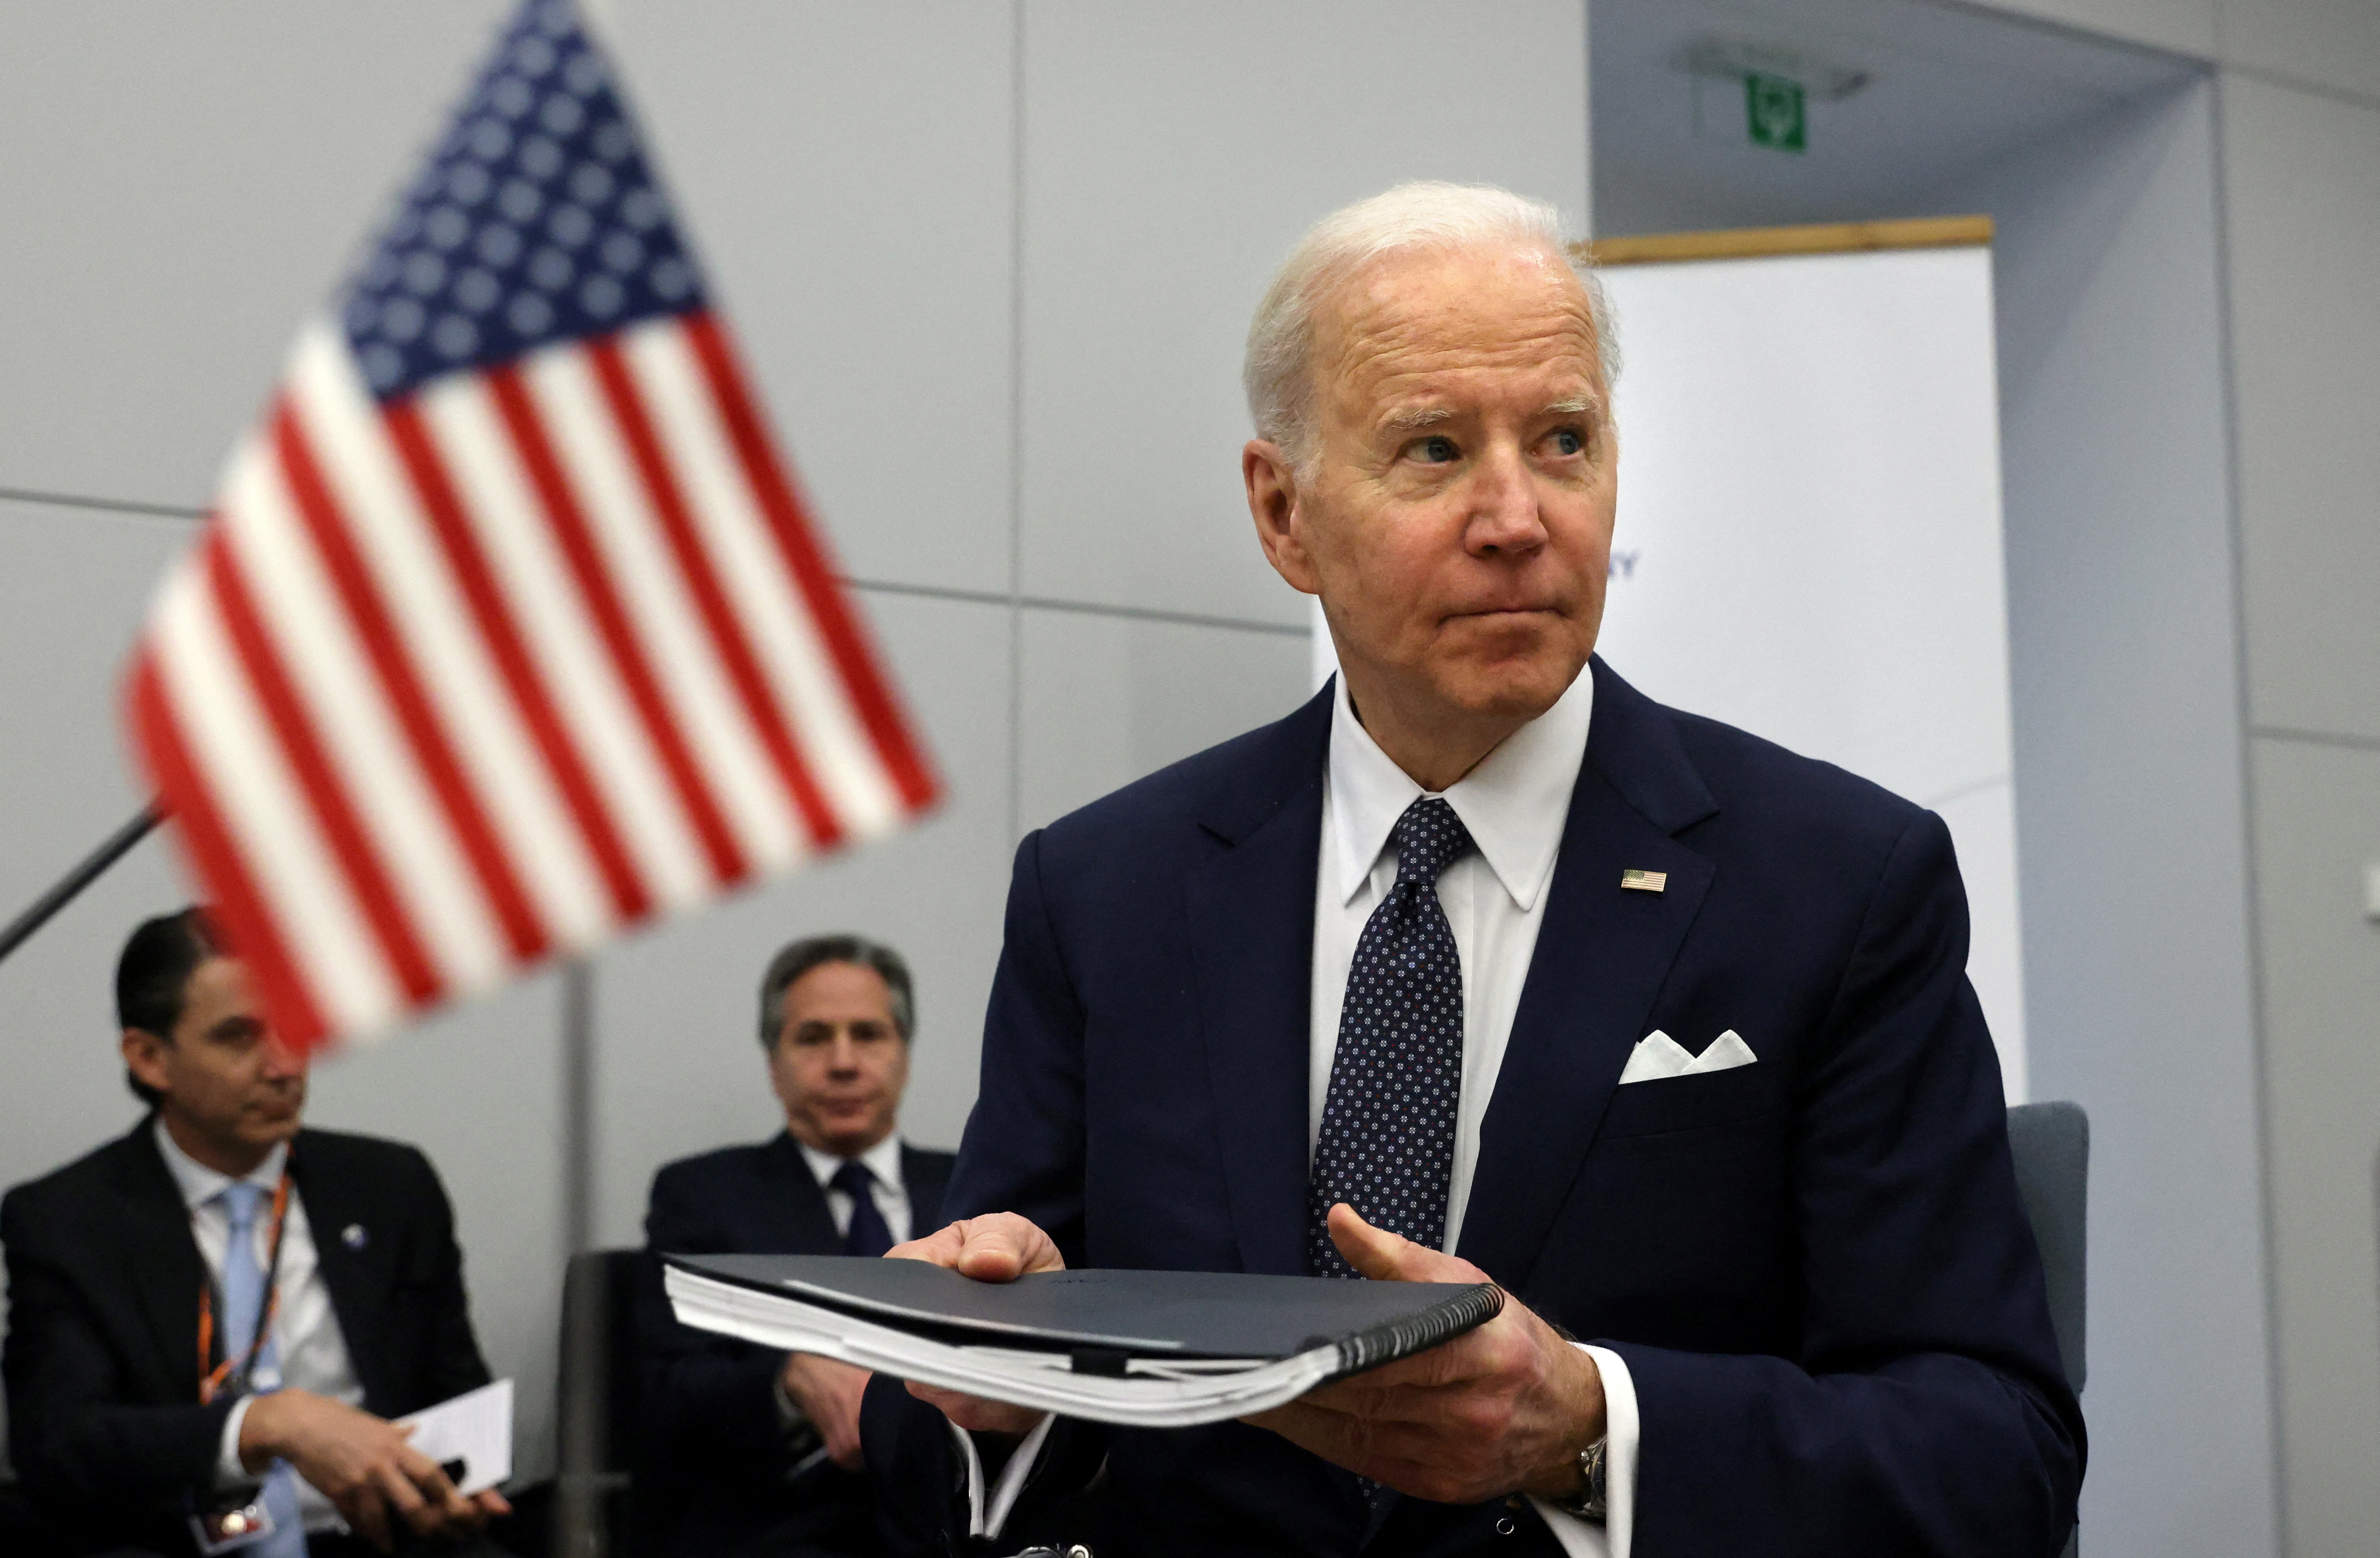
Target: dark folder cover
1102, 1315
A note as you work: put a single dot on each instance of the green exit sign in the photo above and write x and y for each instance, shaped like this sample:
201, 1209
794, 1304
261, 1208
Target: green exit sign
1777, 111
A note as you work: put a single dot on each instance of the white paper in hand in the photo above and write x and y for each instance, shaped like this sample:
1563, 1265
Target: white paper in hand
476, 1428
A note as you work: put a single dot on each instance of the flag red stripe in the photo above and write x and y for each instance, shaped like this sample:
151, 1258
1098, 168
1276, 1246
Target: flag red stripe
702, 580
630, 899
806, 559
293, 727
215, 859
431, 749
569, 528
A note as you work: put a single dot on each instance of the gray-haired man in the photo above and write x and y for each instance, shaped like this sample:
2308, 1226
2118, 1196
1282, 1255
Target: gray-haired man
752, 1451
1366, 990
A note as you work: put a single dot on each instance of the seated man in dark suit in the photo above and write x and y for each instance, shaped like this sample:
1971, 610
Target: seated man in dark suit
1484, 966
754, 1451
212, 1321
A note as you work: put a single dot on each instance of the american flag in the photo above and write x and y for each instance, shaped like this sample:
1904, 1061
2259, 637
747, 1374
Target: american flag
507, 630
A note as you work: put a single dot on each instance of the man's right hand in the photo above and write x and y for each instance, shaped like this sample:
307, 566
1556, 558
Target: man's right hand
1000, 1247
362, 1464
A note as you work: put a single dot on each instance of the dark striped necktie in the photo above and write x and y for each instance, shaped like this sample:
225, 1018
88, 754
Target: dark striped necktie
868, 1232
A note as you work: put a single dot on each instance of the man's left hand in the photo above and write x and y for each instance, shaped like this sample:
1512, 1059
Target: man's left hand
828, 1391
1506, 1407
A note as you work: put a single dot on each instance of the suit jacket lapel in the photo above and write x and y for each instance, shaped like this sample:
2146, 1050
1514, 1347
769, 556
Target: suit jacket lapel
357, 1280
1251, 914
925, 1176
805, 1222
161, 1256
1602, 955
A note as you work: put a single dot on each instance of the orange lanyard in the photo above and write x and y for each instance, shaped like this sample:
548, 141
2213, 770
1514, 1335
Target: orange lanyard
214, 1380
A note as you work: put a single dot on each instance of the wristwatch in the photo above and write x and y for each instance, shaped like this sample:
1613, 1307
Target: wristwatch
1589, 1502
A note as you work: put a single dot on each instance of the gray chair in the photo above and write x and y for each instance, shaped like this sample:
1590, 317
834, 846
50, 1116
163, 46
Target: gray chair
595, 1514
2051, 1143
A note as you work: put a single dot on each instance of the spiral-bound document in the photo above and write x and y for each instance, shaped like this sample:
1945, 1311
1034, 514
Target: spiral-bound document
1147, 1349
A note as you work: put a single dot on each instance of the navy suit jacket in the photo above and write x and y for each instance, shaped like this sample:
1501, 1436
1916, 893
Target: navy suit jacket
716, 1451
1816, 1266
104, 1423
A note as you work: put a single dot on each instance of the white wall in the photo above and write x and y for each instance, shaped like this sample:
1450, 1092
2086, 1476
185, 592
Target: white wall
182, 184
2324, 44
2184, 25
2302, 173
2124, 651
2331, 45
2298, 144
1170, 156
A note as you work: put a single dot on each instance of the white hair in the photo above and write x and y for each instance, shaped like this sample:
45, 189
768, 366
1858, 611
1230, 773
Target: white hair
1278, 370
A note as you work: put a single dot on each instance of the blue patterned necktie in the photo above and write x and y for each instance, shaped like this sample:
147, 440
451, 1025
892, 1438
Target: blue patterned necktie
1387, 1143
244, 1295
868, 1232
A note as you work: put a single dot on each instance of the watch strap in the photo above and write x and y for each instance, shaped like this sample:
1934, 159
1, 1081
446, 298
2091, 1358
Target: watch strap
1590, 1502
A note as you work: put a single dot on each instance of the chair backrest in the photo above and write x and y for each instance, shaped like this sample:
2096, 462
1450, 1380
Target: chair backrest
598, 1384
2051, 1143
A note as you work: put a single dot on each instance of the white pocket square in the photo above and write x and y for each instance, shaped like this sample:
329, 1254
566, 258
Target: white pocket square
1657, 1055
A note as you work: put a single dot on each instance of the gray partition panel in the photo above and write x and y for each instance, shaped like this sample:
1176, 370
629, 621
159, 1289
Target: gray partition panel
74, 585
845, 172
1105, 700
1172, 155
2132, 867
183, 185
2304, 175
2317, 833
479, 1089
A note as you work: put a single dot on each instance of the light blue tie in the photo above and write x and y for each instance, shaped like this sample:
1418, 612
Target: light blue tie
243, 1293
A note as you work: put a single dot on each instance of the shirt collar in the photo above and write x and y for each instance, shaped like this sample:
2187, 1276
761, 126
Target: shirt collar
200, 1184
883, 1160
1514, 803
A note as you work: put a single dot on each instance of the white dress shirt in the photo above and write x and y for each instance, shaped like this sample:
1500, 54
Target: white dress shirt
305, 1332
1515, 804
890, 1191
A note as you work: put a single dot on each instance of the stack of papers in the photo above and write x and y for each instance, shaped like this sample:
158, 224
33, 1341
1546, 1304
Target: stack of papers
1146, 1349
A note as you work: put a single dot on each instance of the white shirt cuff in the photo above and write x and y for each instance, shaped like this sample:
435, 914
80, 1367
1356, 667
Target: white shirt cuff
1584, 1538
229, 1472
984, 1521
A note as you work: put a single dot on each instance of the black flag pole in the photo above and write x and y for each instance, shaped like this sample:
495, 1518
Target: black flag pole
88, 872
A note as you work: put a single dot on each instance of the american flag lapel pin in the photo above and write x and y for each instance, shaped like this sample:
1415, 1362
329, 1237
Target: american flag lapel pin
1645, 882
